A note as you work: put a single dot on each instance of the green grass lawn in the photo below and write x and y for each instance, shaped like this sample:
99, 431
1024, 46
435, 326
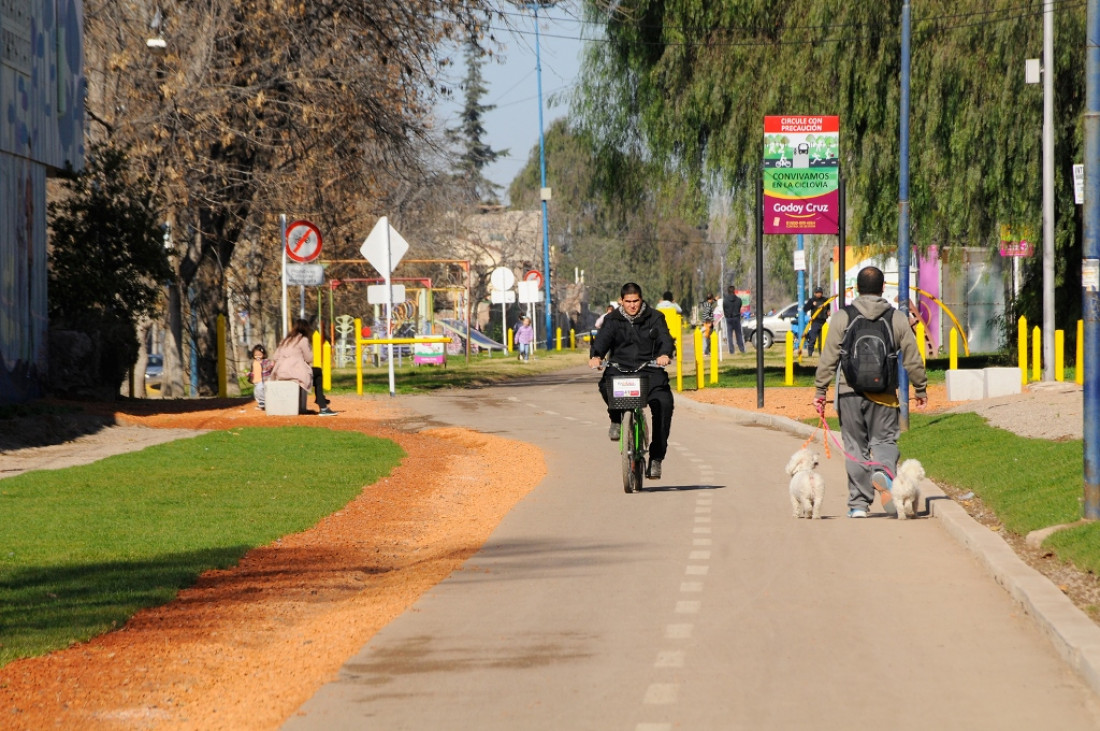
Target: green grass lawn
84, 548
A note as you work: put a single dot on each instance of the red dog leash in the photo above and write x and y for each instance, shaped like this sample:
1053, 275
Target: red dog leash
824, 426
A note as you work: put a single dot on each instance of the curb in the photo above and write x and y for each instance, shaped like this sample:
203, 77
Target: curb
1075, 637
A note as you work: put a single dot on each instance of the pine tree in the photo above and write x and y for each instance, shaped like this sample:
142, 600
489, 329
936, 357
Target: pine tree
475, 153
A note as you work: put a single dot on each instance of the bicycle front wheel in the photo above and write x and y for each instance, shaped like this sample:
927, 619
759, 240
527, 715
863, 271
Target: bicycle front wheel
626, 450
641, 446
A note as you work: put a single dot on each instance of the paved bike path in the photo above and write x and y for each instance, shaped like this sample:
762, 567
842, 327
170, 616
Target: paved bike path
698, 604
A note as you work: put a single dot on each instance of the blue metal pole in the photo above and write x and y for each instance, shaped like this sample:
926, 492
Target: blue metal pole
801, 246
903, 203
542, 193
1090, 263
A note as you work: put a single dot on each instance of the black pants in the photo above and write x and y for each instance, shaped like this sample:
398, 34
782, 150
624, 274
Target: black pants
319, 388
659, 399
813, 335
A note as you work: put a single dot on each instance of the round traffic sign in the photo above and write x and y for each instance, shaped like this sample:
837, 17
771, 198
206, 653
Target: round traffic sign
303, 241
533, 276
502, 278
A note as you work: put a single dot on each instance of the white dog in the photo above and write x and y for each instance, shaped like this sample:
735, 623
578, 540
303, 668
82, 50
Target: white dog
807, 486
906, 488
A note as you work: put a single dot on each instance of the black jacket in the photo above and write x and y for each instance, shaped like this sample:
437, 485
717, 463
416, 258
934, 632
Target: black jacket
630, 344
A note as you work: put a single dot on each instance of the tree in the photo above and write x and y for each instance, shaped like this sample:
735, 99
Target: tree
259, 107
107, 262
476, 153
625, 233
687, 85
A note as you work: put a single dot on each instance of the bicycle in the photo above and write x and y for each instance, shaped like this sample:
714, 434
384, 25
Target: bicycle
628, 394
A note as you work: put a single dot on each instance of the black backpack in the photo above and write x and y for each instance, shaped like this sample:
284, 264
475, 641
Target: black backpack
868, 355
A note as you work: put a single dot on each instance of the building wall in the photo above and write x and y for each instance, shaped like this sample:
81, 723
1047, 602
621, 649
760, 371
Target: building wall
41, 133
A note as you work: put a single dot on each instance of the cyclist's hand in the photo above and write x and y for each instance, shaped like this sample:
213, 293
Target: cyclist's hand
663, 360
594, 362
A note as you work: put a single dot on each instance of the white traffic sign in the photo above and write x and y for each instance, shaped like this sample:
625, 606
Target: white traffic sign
384, 248
529, 292
376, 294
303, 241
305, 275
502, 296
502, 278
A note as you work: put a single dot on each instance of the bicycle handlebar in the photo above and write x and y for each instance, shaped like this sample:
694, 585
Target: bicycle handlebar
648, 364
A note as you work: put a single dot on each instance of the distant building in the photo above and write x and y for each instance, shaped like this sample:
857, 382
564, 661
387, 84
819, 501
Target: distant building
41, 133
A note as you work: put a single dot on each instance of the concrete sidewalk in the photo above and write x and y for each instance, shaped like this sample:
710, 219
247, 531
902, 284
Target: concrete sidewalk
1074, 636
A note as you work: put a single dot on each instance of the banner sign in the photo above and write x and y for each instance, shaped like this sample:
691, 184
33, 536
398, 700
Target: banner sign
801, 175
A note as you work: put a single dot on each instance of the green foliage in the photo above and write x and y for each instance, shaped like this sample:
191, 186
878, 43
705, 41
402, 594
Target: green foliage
86, 547
685, 85
107, 258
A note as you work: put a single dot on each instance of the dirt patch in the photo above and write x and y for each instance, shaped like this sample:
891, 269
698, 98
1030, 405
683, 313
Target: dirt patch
246, 646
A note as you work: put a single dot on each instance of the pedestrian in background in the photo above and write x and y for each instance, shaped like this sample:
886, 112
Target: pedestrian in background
818, 315
731, 316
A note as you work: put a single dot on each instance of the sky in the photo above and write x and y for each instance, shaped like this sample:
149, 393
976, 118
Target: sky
511, 81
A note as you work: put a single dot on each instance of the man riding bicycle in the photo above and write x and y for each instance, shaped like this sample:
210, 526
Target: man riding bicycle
631, 336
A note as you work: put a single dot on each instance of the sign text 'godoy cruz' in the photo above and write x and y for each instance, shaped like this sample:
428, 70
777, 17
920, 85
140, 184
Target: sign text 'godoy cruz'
801, 175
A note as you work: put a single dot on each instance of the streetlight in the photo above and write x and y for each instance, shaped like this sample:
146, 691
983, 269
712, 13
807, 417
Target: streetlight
544, 192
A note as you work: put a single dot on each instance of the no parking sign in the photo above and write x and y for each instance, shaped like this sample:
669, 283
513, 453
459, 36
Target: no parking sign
303, 241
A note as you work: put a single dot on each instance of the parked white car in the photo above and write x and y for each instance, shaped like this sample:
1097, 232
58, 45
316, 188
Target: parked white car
775, 326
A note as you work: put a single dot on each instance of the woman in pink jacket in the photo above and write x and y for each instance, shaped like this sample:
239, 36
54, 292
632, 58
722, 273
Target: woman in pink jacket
294, 357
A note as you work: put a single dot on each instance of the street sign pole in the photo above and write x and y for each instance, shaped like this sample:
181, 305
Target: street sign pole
389, 304
282, 245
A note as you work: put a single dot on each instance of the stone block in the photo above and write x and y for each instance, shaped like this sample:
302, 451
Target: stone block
1002, 382
968, 385
283, 398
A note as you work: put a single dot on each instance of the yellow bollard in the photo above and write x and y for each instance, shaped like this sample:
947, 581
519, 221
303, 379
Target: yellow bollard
222, 375
316, 343
557, 339
1079, 364
1059, 356
953, 350
1036, 354
326, 366
572, 339
510, 342
1021, 347
359, 356
700, 376
920, 342
714, 348
788, 359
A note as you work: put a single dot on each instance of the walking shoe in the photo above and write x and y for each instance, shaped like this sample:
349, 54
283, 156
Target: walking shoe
326, 411
614, 432
857, 513
654, 471
882, 482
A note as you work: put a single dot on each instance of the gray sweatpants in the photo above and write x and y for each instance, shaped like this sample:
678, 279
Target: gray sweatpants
870, 433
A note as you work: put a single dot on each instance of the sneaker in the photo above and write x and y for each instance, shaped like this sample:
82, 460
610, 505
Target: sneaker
326, 411
857, 513
654, 471
882, 482
614, 432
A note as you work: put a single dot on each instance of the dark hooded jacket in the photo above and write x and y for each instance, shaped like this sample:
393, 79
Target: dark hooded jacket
631, 343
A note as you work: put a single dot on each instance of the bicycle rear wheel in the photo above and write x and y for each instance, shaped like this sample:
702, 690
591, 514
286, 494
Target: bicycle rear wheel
626, 450
641, 446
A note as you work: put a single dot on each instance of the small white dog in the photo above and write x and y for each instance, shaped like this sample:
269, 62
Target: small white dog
807, 486
906, 488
